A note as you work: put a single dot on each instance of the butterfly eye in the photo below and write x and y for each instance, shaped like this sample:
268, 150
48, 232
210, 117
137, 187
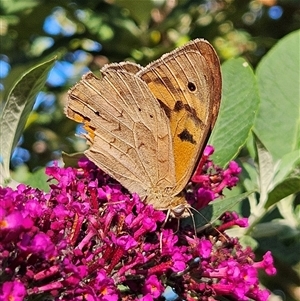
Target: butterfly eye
191, 86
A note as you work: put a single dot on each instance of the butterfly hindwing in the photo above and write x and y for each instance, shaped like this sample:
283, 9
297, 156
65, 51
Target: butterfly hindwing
130, 138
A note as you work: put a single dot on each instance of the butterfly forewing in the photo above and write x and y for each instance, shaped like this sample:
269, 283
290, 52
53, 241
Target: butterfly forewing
183, 83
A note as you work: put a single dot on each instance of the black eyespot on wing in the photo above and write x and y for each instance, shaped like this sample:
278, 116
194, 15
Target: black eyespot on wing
191, 86
185, 135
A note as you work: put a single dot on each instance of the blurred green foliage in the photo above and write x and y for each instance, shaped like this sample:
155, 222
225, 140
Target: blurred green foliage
33, 31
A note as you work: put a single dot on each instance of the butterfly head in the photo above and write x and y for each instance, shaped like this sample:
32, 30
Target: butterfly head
179, 207
176, 206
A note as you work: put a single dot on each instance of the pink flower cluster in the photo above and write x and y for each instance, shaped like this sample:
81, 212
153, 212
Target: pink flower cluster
89, 239
210, 180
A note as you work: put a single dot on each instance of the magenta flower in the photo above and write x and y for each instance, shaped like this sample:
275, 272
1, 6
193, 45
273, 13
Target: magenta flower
205, 248
153, 286
210, 180
231, 219
89, 239
267, 264
13, 290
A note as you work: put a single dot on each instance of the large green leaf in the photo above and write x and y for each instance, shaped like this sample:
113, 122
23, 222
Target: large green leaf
17, 109
278, 120
239, 105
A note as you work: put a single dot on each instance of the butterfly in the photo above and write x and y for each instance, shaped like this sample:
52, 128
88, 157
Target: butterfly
147, 126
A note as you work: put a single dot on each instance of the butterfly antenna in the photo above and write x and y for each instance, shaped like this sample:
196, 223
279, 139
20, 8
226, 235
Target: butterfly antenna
160, 242
166, 219
198, 230
192, 217
162, 226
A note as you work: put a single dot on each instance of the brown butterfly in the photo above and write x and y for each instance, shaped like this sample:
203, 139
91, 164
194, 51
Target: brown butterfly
147, 126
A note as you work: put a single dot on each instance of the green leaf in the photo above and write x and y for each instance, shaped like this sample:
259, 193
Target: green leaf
286, 166
72, 159
214, 210
288, 211
266, 170
237, 113
17, 109
250, 145
275, 228
247, 240
278, 120
282, 190
249, 176
38, 179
